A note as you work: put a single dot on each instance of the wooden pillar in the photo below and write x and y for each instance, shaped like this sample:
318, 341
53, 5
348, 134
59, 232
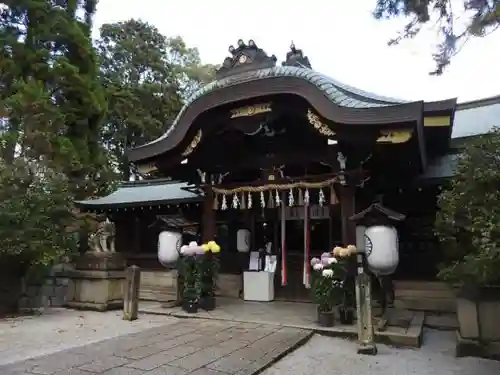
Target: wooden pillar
347, 209
208, 217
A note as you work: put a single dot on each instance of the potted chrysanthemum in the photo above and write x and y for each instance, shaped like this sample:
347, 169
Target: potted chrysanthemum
327, 283
190, 271
348, 305
209, 267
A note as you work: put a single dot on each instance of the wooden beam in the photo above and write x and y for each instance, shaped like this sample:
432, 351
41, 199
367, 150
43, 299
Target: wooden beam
297, 157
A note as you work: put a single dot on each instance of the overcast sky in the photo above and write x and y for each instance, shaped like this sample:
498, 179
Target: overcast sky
341, 39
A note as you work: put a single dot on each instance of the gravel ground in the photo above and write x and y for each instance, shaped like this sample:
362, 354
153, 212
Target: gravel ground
332, 356
59, 329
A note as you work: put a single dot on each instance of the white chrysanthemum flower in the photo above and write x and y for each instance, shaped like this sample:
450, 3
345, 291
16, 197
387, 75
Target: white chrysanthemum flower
332, 260
327, 273
318, 267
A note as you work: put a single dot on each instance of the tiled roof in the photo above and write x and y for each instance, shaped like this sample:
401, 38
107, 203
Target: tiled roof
154, 192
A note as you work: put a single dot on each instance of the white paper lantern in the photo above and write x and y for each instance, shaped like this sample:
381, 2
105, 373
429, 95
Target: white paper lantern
243, 240
381, 244
169, 245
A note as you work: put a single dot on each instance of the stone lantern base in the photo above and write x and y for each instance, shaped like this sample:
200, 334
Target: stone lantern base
97, 282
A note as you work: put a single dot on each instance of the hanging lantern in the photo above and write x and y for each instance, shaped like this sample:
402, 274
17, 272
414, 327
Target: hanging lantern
224, 202
381, 247
333, 196
169, 245
278, 200
290, 198
236, 201
321, 197
262, 200
306, 197
243, 240
249, 201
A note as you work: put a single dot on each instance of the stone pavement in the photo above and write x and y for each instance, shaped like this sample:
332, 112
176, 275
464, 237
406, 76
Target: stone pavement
404, 328
195, 347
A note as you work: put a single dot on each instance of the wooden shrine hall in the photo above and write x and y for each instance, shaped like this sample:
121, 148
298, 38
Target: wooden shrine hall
289, 155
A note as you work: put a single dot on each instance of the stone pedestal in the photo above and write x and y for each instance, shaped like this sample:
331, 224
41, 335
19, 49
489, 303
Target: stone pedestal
477, 312
97, 283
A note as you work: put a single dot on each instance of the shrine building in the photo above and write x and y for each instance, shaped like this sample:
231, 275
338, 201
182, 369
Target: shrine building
289, 154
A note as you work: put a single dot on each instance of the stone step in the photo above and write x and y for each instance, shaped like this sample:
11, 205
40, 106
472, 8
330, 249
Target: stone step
435, 296
421, 285
422, 293
157, 294
426, 304
446, 322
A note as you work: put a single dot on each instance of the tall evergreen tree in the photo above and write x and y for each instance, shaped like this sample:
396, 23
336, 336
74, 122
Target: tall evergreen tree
146, 76
51, 108
52, 100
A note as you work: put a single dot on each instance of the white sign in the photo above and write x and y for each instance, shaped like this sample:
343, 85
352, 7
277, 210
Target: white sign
254, 261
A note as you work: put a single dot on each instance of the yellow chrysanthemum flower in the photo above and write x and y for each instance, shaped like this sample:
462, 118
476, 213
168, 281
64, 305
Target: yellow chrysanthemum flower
344, 252
205, 247
352, 249
213, 247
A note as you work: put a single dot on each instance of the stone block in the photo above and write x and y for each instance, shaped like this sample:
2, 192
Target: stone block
32, 291
62, 281
476, 348
160, 286
96, 290
99, 286
229, 285
47, 290
101, 262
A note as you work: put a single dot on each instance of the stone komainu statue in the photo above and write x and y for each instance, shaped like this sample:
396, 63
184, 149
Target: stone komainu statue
103, 239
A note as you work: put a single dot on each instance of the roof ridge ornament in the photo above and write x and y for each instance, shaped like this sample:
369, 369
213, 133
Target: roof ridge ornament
296, 58
245, 57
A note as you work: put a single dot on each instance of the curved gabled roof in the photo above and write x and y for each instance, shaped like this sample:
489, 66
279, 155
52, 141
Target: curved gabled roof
339, 93
334, 100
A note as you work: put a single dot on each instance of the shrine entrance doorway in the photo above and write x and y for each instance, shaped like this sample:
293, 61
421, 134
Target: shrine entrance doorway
305, 238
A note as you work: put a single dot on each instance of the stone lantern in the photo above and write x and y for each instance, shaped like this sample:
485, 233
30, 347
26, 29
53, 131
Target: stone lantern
377, 244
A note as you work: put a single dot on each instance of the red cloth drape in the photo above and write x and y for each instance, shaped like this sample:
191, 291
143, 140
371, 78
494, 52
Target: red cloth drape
283, 244
307, 242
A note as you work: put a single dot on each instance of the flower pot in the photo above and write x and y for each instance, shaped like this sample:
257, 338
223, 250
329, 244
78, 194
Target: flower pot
207, 303
190, 306
326, 318
346, 315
